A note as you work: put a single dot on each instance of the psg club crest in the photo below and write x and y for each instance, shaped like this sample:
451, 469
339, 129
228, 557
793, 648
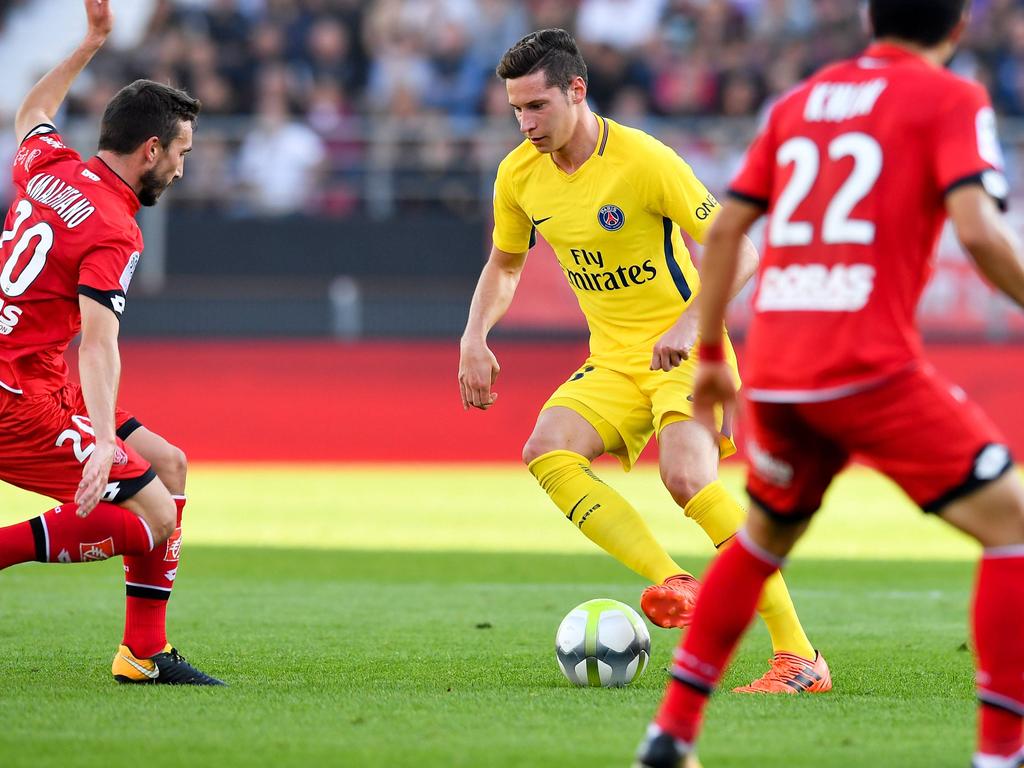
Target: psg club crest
611, 217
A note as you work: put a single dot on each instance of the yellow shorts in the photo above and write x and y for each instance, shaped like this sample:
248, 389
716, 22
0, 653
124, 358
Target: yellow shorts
627, 402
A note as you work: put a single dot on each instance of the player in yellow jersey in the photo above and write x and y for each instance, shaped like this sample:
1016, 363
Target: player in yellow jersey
610, 200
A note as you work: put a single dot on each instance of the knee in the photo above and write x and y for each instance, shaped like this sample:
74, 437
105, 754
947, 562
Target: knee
536, 447
162, 518
684, 484
171, 467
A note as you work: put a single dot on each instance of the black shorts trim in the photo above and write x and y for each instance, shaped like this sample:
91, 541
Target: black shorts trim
129, 487
791, 518
760, 202
148, 593
39, 539
969, 484
126, 429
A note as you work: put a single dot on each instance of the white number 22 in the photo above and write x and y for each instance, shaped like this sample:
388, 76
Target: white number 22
837, 226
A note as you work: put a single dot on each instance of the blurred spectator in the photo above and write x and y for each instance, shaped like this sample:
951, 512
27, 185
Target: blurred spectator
389, 85
622, 24
280, 161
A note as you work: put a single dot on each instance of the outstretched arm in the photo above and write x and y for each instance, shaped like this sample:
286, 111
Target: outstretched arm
478, 368
46, 96
983, 231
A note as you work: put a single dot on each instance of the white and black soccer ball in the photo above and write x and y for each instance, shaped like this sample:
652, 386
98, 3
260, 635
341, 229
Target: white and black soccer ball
602, 643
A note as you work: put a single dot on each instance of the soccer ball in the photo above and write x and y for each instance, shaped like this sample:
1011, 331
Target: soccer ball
602, 643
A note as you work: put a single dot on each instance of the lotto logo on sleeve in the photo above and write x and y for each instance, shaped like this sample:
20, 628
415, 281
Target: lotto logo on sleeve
98, 550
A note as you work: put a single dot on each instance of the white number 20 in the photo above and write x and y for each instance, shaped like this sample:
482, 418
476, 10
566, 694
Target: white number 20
15, 286
837, 226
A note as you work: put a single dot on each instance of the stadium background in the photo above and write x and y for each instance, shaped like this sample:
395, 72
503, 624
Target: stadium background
294, 327
335, 211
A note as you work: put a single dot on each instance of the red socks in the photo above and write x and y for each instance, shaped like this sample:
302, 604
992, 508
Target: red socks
998, 614
61, 536
148, 581
725, 607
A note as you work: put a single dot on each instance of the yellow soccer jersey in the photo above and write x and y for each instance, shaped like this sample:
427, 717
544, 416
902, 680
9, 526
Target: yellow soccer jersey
614, 226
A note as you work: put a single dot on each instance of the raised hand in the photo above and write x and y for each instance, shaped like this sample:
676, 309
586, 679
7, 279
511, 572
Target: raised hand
100, 17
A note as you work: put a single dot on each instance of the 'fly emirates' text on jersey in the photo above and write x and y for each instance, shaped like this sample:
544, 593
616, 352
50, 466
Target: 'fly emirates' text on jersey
854, 166
70, 231
614, 226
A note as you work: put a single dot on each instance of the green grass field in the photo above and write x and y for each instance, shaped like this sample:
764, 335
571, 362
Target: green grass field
404, 616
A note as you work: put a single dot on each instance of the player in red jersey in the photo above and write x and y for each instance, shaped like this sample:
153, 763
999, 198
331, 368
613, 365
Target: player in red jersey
69, 248
858, 168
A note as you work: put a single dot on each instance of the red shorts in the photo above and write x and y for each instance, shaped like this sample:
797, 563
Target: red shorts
915, 427
45, 440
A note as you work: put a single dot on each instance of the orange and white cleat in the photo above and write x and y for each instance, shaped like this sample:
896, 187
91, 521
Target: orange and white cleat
670, 604
792, 674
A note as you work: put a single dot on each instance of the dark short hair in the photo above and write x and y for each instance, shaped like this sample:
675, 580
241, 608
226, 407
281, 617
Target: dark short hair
144, 109
551, 50
925, 22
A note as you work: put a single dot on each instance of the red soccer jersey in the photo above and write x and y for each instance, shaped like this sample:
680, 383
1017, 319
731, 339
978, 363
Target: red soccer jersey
853, 166
71, 230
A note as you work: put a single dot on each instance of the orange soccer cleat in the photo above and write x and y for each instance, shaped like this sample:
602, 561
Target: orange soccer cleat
670, 604
792, 674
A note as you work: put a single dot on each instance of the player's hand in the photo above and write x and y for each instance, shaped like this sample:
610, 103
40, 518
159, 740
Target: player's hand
94, 477
100, 18
713, 386
676, 343
478, 370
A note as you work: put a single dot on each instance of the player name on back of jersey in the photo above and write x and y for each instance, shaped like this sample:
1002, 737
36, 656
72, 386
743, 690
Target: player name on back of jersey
65, 200
836, 102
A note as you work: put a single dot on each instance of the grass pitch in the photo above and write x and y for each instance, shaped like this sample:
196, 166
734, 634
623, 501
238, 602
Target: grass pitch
405, 616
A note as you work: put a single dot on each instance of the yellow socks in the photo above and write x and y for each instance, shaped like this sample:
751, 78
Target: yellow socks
603, 516
716, 511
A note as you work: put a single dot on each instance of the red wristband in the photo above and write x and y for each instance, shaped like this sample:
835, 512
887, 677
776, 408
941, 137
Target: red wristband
712, 352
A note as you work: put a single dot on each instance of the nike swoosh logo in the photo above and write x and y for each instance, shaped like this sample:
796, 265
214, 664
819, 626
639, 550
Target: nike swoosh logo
538, 222
573, 510
152, 674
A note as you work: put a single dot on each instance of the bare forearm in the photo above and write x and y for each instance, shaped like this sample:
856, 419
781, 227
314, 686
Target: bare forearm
46, 96
720, 281
491, 299
746, 266
1000, 261
99, 367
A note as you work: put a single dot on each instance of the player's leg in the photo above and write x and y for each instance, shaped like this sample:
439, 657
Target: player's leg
43, 443
791, 467
689, 469
943, 451
149, 578
994, 515
725, 607
558, 454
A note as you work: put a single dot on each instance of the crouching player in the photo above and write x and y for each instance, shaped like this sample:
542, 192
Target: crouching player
69, 248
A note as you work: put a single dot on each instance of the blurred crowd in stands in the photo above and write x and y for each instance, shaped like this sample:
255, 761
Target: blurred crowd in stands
311, 75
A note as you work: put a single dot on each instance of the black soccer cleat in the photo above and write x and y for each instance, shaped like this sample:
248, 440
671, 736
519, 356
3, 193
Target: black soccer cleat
660, 749
165, 668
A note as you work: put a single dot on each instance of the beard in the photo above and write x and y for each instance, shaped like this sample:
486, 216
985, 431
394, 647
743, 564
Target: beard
151, 187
